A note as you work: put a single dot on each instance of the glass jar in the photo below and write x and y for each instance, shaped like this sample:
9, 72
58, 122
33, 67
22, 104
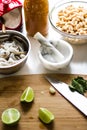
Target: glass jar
36, 16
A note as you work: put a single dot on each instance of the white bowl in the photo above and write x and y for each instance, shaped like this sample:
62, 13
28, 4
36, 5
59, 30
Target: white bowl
65, 48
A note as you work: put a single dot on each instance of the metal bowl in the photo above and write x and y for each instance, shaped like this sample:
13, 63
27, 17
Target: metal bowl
8, 35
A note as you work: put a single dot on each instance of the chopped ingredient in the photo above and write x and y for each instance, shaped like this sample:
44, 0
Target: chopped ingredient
79, 84
52, 90
45, 115
10, 116
11, 52
27, 95
42, 92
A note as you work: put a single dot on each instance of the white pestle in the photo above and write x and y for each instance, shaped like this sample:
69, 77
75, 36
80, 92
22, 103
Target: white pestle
44, 42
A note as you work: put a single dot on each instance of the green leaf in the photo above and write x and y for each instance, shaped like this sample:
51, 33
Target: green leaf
72, 88
77, 86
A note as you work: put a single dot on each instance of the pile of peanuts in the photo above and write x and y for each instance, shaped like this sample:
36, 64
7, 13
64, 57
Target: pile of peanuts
73, 20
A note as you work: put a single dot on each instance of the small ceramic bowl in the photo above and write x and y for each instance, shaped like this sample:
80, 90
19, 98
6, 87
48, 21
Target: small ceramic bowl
71, 30
25, 45
50, 60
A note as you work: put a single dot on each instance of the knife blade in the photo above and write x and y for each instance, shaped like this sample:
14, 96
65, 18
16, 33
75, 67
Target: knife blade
78, 100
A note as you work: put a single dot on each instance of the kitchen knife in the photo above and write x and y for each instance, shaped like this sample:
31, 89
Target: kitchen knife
78, 100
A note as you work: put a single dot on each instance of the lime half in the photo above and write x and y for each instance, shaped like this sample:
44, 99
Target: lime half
45, 115
10, 116
27, 95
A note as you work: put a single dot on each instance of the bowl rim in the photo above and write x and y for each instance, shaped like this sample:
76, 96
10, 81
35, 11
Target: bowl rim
23, 59
65, 34
68, 59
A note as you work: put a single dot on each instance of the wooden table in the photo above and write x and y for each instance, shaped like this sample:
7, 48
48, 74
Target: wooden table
67, 117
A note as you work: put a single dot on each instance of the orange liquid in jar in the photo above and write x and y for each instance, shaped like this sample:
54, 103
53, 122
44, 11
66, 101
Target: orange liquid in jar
36, 16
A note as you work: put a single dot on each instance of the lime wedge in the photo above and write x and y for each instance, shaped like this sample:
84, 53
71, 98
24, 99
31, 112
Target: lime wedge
10, 116
27, 95
45, 115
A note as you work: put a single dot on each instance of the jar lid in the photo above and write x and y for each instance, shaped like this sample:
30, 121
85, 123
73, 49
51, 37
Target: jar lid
8, 5
6, 1
11, 14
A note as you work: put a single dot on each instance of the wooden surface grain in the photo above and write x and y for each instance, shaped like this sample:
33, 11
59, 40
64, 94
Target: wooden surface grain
67, 117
